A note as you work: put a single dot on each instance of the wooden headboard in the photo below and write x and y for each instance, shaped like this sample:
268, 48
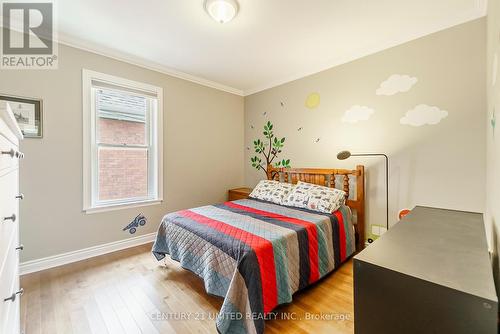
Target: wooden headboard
326, 177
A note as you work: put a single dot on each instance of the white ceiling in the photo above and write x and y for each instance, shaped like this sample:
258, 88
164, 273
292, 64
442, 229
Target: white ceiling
270, 42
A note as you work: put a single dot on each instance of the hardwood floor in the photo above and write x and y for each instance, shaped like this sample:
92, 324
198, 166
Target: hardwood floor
119, 293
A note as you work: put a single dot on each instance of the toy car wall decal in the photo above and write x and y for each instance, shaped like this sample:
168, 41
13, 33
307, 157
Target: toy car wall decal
140, 220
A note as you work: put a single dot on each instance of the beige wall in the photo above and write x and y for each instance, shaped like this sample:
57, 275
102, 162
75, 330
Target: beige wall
439, 165
203, 141
492, 216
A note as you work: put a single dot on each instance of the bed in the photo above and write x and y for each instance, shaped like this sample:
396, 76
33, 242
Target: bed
257, 254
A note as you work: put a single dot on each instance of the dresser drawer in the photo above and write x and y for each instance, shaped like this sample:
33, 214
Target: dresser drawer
8, 206
9, 280
10, 313
234, 197
6, 160
12, 319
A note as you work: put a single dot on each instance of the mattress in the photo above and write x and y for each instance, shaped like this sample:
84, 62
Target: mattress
255, 254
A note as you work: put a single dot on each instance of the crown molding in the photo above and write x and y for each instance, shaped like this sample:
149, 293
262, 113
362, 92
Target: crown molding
482, 6
480, 12
76, 43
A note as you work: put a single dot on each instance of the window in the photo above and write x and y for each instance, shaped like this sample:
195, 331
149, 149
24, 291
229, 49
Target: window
122, 138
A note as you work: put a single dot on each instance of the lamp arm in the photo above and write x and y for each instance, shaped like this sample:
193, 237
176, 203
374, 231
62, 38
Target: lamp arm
370, 155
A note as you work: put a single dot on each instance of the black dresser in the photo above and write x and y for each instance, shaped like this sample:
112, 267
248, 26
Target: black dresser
430, 273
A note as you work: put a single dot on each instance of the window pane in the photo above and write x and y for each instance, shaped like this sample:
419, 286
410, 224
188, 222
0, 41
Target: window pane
121, 118
123, 173
112, 131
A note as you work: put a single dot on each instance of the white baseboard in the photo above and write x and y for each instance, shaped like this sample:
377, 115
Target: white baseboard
83, 254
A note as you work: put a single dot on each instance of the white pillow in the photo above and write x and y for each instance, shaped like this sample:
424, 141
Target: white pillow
280, 193
314, 197
272, 191
263, 190
299, 196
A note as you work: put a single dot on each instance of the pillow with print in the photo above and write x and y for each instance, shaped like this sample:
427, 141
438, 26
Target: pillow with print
264, 190
280, 193
299, 195
315, 197
324, 199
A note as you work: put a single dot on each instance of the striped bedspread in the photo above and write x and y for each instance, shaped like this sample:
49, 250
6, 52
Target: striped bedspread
255, 254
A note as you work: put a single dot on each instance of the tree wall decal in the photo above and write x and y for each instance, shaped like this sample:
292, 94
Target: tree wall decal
269, 148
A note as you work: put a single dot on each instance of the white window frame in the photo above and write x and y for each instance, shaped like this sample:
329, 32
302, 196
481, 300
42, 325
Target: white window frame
154, 140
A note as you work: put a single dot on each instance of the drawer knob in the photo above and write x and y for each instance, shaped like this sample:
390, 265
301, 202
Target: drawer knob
20, 247
13, 218
11, 152
20, 155
20, 196
14, 295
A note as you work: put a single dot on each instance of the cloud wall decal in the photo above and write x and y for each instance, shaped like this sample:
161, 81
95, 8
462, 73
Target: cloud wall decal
357, 113
423, 115
396, 83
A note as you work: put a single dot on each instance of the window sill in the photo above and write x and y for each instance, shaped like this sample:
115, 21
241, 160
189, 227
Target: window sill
122, 206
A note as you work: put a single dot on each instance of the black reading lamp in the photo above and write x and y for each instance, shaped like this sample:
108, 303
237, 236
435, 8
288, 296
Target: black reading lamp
346, 155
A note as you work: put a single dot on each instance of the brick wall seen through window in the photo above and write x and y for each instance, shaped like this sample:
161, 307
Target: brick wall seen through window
123, 173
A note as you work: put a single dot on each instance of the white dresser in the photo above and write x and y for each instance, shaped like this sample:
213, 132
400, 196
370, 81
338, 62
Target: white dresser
10, 292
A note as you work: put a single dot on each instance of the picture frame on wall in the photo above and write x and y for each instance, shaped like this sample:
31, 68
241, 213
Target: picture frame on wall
28, 114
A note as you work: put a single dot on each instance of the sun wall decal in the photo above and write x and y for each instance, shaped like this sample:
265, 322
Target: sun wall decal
313, 100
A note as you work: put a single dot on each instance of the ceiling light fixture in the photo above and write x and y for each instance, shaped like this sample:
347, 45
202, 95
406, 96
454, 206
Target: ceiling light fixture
221, 11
